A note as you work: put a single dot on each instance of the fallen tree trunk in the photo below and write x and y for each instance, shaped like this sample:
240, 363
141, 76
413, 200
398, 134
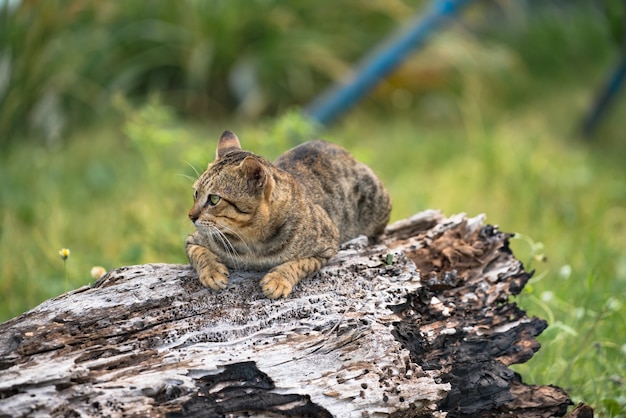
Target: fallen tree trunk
419, 325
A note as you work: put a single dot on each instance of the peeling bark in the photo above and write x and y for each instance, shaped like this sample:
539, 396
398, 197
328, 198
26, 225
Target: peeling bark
417, 325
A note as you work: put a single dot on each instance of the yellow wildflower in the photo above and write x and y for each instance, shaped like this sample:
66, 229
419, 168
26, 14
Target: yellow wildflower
64, 253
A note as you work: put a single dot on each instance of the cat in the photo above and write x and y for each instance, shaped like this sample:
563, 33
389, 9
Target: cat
288, 217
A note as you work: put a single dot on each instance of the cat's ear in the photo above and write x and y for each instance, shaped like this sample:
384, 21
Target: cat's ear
254, 172
228, 142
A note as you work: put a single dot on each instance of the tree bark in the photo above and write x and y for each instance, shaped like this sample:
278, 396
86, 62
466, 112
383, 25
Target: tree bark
420, 324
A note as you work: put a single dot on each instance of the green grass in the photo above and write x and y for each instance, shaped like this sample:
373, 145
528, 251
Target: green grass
117, 196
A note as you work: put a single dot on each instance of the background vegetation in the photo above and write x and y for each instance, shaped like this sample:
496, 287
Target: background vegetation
108, 109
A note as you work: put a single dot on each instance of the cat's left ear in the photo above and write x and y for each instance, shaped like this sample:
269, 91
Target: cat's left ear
228, 142
254, 172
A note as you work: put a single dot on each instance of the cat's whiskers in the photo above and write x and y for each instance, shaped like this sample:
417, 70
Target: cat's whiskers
194, 169
186, 176
226, 244
238, 235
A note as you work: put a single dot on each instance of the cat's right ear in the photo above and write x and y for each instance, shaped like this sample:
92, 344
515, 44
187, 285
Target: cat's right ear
254, 171
228, 142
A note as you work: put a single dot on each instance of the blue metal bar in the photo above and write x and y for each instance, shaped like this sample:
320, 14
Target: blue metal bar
332, 103
605, 97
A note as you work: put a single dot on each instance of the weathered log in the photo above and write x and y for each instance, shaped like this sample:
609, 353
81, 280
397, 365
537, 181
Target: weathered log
417, 325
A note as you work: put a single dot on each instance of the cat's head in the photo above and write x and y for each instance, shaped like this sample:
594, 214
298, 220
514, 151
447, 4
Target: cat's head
233, 194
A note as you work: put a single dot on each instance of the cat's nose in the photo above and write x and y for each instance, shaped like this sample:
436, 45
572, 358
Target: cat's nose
193, 216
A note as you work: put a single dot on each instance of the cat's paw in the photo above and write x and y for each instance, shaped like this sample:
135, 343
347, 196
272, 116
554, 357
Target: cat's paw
274, 285
216, 278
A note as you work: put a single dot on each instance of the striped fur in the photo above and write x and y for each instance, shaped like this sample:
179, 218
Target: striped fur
288, 217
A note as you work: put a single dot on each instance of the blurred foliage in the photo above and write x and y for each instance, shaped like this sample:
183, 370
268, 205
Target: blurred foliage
553, 39
62, 60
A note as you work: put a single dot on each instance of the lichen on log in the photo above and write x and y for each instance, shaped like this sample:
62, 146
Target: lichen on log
419, 324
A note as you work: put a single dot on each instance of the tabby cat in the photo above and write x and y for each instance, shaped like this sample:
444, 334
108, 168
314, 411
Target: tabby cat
288, 217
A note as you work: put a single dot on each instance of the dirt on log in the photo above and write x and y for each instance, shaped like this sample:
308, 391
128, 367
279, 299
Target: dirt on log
418, 325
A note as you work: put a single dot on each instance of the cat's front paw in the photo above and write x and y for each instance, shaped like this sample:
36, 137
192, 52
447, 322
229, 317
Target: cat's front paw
216, 277
274, 285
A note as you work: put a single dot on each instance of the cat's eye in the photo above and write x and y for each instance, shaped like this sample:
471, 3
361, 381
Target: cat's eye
214, 199
195, 195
